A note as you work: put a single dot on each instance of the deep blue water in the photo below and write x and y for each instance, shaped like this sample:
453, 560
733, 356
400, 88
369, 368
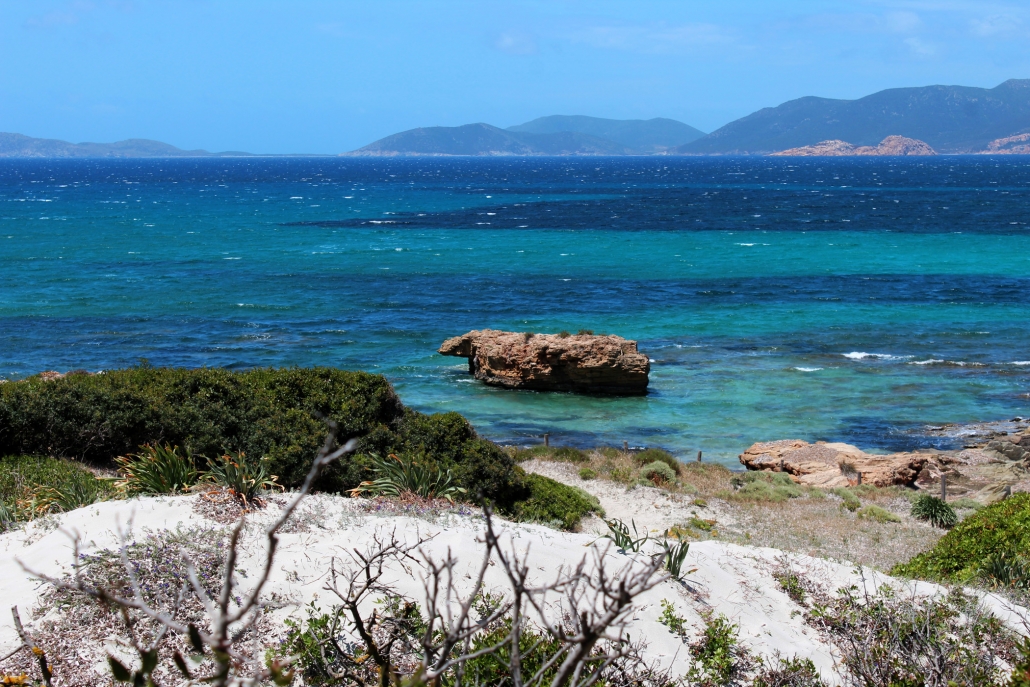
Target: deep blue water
845, 299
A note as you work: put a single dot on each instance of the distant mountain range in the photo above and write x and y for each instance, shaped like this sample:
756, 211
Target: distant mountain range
16, 145
944, 119
951, 119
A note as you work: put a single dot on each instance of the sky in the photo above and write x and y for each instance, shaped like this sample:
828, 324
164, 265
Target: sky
313, 76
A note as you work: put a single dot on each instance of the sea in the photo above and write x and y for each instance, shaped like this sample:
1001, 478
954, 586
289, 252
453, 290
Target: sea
864, 300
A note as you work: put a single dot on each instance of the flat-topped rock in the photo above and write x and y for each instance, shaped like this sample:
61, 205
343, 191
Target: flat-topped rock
581, 363
831, 465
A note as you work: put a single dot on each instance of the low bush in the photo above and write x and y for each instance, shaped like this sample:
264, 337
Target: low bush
587, 473
1001, 529
934, 511
658, 473
32, 486
774, 487
569, 455
848, 499
554, 503
651, 455
881, 515
271, 413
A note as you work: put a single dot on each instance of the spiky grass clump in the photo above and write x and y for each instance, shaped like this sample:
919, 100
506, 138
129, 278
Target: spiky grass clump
242, 476
934, 511
396, 475
156, 470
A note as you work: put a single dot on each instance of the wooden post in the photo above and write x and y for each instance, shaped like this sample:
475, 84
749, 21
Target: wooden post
547, 439
1008, 491
859, 480
944, 487
625, 445
699, 456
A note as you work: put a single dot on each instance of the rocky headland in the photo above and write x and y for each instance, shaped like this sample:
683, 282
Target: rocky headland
581, 363
892, 145
1010, 145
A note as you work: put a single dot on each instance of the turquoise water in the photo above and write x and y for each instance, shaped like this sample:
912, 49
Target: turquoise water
853, 300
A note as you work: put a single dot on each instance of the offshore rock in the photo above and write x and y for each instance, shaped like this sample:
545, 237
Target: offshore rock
550, 362
833, 465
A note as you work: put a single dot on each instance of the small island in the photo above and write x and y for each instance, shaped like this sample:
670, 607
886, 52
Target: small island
581, 363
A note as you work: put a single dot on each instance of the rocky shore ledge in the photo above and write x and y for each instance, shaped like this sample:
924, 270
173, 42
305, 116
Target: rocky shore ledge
994, 462
581, 363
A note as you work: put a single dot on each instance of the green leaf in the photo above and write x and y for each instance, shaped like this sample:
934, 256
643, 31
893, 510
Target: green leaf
195, 641
120, 672
180, 663
148, 661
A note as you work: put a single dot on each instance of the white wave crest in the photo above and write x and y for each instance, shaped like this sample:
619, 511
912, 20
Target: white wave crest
808, 369
859, 355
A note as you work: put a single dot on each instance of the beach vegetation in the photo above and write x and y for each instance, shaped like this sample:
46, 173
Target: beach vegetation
934, 511
1000, 529
241, 475
848, 499
620, 535
553, 503
156, 469
874, 512
773, 487
658, 473
650, 455
719, 657
32, 486
274, 414
396, 476
587, 474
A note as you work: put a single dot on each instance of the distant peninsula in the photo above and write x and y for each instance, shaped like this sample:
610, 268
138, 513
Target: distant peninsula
17, 145
892, 145
554, 135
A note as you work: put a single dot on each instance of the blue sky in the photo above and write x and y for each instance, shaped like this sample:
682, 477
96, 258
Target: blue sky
325, 77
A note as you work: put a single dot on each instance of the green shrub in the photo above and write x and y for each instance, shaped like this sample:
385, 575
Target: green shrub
934, 511
718, 653
966, 503
651, 455
999, 529
569, 455
156, 470
587, 473
272, 413
850, 501
773, 487
878, 514
659, 473
32, 486
552, 502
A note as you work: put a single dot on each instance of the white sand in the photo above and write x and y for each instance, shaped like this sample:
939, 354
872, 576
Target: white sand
732, 580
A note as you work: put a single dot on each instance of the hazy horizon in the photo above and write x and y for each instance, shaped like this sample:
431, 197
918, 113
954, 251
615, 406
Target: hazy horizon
327, 77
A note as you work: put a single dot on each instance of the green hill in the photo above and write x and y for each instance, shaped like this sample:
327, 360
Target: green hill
484, 139
952, 119
639, 135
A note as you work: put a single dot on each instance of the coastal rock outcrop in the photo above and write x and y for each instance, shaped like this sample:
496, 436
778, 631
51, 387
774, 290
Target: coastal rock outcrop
831, 465
581, 363
1010, 145
892, 145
